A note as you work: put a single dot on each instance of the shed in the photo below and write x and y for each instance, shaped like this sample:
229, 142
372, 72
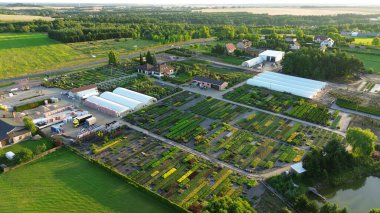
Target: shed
122, 100
10, 155
145, 99
297, 168
209, 83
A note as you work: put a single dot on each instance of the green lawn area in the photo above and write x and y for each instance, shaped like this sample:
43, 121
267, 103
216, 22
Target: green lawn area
28, 53
370, 57
231, 59
64, 182
122, 46
29, 144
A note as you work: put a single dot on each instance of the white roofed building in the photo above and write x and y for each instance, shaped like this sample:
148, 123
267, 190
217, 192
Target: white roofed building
122, 100
106, 106
145, 99
266, 56
286, 83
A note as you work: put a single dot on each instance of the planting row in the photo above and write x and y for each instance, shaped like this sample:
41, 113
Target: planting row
177, 175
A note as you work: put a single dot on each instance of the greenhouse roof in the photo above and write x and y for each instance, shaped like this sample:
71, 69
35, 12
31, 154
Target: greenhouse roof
146, 99
122, 100
107, 104
285, 83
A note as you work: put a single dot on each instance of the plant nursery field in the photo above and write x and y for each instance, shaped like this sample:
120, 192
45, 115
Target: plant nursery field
172, 173
22, 54
237, 135
285, 103
63, 180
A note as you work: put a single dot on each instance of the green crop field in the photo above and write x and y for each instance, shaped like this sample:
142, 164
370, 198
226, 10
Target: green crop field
363, 41
122, 46
370, 57
64, 182
22, 54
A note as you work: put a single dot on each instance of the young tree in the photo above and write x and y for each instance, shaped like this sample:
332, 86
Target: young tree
362, 141
113, 58
28, 122
226, 204
376, 41
141, 59
149, 58
24, 155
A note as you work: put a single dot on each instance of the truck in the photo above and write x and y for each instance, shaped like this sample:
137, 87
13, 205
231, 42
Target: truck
90, 121
80, 120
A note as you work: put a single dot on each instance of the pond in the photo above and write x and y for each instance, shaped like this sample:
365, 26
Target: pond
359, 196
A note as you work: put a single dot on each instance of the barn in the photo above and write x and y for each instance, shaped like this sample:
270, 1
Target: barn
266, 56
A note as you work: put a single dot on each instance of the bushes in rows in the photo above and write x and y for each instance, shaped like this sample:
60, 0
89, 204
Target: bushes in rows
348, 104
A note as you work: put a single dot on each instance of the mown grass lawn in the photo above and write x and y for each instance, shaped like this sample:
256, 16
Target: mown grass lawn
28, 53
64, 182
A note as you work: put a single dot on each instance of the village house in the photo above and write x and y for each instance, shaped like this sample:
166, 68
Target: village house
319, 38
209, 83
159, 70
293, 43
230, 48
10, 134
327, 43
244, 45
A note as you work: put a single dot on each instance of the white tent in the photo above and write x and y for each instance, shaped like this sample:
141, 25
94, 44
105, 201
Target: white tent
285, 83
122, 100
10, 155
252, 62
298, 168
145, 99
106, 106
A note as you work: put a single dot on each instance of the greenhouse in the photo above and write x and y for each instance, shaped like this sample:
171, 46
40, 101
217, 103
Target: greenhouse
145, 99
285, 83
106, 106
122, 100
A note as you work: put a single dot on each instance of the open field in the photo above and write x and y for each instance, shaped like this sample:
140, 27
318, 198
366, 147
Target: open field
15, 18
370, 57
363, 41
22, 54
297, 11
122, 46
64, 181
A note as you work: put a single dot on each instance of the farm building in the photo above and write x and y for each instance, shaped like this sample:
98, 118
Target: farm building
285, 83
106, 106
268, 55
122, 100
145, 99
84, 92
209, 83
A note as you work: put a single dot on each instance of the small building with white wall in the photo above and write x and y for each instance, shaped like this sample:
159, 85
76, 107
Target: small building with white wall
84, 92
266, 56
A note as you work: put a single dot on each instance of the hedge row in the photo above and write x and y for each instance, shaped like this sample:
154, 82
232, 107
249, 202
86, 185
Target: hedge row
353, 106
30, 105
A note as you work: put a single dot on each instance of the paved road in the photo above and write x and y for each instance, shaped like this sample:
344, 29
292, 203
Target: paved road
131, 55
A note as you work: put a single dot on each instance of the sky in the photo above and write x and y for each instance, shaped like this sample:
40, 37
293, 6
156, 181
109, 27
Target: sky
296, 2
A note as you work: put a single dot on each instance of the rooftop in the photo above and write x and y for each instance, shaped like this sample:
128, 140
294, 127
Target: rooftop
5, 128
208, 80
298, 168
80, 89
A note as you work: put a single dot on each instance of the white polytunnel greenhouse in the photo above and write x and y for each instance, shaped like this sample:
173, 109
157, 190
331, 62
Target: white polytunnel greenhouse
145, 99
122, 100
285, 83
106, 106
